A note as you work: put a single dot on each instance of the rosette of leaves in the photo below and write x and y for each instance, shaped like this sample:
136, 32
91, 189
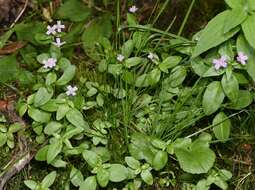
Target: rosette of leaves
7, 134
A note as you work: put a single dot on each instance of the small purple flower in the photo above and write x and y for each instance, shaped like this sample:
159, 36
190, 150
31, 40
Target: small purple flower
71, 91
49, 63
242, 58
51, 30
218, 63
59, 26
120, 57
132, 9
58, 42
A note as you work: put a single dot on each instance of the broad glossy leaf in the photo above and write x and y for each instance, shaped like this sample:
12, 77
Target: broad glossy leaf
103, 177
248, 30
52, 127
177, 76
92, 158
154, 76
243, 46
213, 97
67, 76
169, 63
222, 126
235, 17
54, 149
39, 115
30, 184
133, 61
75, 117
41, 155
132, 162
147, 177
195, 158
50, 106
49, 179
117, 172
160, 160
213, 34
235, 3
3, 139
50, 78
230, 87
73, 10
76, 177
42, 96
244, 100
90, 183
127, 48
62, 111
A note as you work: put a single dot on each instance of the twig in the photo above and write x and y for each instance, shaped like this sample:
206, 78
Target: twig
20, 14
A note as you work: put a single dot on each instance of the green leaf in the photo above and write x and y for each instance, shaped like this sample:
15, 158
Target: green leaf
13, 128
62, 111
222, 126
42, 96
30, 184
196, 157
248, 30
54, 149
235, 17
117, 172
142, 81
73, 10
3, 139
41, 155
50, 78
75, 117
213, 97
132, 162
235, 3
169, 63
244, 100
154, 76
8, 68
76, 177
98, 29
127, 48
103, 177
90, 183
50, 106
243, 46
230, 87
147, 177
91, 158
67, 76
49, 179
177, 76
133, 61
160, 160
52, 127
27, 32
115, 69
38, 115
213, 34
5, 37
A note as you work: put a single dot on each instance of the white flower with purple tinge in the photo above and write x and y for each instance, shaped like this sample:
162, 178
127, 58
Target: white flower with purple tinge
58, 42
71, 91
218, 63
59, 26
49, 63
242, 58
132, 9
51, 30
152, 56
120, 57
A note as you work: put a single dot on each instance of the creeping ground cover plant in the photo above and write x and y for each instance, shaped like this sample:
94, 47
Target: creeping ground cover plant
111, 102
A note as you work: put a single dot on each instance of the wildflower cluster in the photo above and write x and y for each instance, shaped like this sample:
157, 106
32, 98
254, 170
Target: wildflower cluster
222, 61
53, 30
